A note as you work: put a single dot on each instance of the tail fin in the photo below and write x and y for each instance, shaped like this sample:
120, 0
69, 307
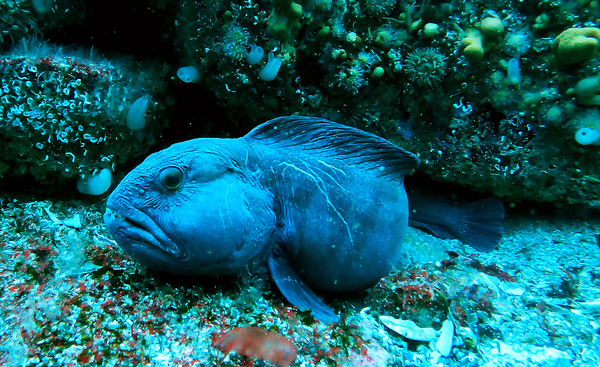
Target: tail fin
480, 225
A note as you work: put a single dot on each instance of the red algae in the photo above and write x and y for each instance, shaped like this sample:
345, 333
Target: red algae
251, 341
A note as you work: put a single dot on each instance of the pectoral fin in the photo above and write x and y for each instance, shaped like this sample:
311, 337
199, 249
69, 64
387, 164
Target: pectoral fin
295, 290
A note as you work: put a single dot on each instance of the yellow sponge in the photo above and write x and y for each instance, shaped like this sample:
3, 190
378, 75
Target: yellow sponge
473, 43
479, 40
576, 45
284, 21
587, 89
491, 27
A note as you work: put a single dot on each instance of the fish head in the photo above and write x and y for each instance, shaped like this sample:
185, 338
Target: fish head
193, 208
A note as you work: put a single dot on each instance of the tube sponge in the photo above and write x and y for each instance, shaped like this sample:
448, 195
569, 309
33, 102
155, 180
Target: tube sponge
96, 184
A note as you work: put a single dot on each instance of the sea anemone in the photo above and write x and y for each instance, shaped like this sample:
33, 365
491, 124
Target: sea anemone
236, 42
425, 66
351, 77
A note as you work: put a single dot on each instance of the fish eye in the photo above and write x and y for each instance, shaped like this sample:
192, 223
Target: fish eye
171, 178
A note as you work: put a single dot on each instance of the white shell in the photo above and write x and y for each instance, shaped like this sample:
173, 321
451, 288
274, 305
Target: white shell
511, 289
409, 329
444, 343
74, 221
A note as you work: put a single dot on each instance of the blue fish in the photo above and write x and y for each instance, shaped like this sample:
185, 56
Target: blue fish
322, 204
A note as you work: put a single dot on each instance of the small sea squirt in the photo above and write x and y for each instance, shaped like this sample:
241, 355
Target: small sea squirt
269, 72
251, 341
255, 55
188, 74
136, 117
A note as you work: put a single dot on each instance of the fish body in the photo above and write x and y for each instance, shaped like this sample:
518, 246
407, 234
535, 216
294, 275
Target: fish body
322, 203
343, 219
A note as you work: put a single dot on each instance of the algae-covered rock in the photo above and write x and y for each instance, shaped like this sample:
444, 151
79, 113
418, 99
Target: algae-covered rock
439, 97
372, 65
63, 114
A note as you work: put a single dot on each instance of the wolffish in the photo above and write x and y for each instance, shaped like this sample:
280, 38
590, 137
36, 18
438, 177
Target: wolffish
322, 203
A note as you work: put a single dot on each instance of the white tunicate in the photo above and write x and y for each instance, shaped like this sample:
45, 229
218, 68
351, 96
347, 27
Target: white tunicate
587, 136
514, 72
269, 72
136, 116
188, 74
42, 6
96, 184
255, 55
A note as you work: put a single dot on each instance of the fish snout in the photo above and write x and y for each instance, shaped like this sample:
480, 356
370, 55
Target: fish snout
134, 229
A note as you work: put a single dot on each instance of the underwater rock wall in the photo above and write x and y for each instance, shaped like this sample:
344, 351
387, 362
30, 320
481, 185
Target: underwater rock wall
490, 94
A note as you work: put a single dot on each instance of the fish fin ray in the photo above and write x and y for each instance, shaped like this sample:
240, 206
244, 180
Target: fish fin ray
295, 290
481, 224
311, 133
439, 231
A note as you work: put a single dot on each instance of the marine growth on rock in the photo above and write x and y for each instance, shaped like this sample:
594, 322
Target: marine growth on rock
258, 343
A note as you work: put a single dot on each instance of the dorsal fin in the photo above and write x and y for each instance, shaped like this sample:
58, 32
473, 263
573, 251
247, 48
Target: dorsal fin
311, 133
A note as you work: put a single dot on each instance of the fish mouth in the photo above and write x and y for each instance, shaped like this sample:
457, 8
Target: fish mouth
137, 229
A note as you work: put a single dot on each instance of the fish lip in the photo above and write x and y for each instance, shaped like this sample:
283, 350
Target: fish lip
140, 229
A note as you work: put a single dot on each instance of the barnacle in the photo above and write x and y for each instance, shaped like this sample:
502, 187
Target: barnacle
258, 343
